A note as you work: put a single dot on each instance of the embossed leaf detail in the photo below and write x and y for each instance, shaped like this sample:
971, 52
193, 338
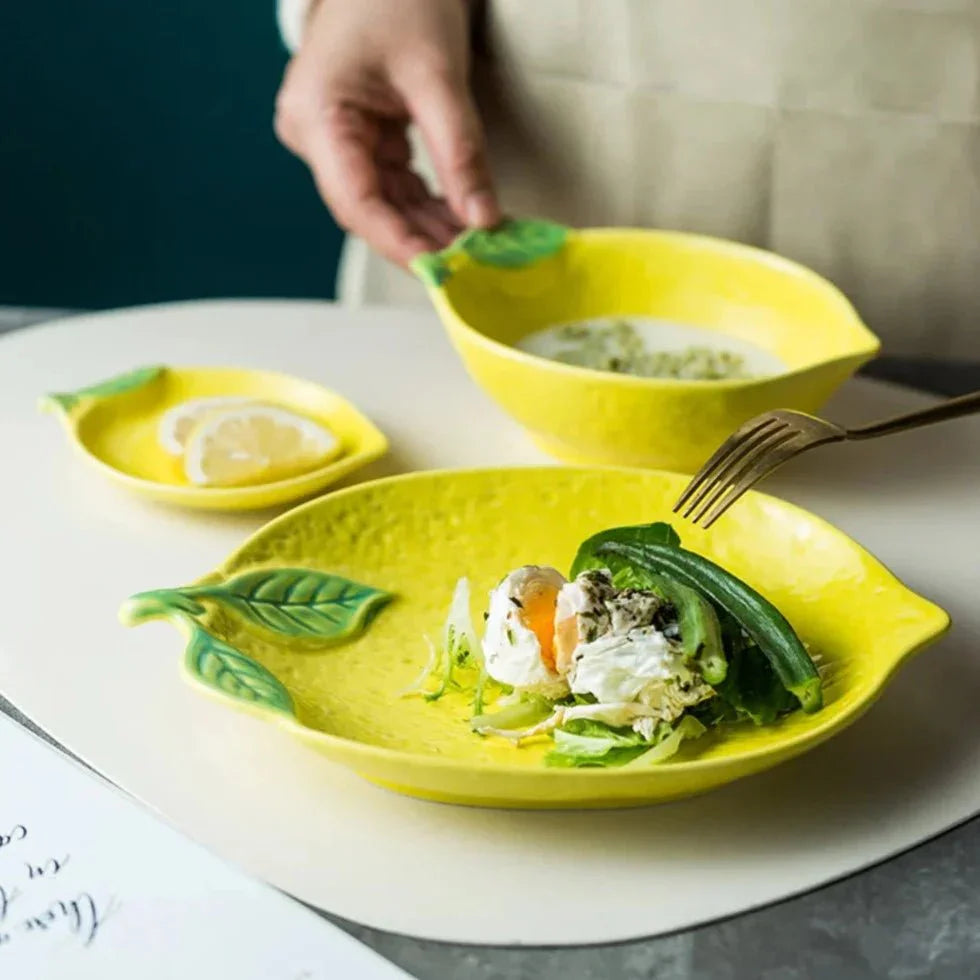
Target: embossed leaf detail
514, 243
299, 602
220, 666
113, 386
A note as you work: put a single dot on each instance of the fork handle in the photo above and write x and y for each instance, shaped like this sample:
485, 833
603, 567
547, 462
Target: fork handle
951, 409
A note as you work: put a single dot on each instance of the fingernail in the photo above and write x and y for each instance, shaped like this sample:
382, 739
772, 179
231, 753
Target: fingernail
481, 209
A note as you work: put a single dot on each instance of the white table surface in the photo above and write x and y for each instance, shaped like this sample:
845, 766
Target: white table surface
76, 546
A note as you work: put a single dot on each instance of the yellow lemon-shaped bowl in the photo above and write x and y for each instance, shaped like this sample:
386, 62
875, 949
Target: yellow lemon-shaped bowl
318, 623
114, 424
491, 289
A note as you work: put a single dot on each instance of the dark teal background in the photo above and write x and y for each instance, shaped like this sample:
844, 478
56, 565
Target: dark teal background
137, 158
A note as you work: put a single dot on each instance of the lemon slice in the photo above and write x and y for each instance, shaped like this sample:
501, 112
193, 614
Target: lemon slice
176, 424
255, 443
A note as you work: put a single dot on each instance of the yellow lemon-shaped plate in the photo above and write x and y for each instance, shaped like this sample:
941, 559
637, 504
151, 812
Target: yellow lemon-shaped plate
115, 424
493, 288
318, 624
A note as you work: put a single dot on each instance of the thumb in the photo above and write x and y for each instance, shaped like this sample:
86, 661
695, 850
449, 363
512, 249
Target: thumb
447, 118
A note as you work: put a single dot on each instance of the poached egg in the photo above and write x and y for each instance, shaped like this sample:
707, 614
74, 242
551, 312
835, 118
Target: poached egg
519, 639
545, 635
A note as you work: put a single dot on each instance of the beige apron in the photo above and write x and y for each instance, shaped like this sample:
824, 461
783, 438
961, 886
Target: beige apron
841, 133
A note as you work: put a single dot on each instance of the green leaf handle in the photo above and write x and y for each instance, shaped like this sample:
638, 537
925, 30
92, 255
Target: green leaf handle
294, 602
512, 244
130, 381
218, 665
298, 602
209, 660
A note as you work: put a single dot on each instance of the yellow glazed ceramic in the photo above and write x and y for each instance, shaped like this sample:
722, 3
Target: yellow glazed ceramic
317, 623
493, 288
114, 424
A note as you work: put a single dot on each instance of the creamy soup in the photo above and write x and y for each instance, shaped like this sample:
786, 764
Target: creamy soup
652, 348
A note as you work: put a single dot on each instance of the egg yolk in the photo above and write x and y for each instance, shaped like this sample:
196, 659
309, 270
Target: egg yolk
538, 615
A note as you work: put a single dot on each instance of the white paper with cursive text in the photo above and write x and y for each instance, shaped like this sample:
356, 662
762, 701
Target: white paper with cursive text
92, 886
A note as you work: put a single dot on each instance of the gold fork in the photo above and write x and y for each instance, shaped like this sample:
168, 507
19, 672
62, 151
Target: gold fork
767, 441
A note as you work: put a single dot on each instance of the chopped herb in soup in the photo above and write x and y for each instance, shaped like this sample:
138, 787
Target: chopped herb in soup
650, 348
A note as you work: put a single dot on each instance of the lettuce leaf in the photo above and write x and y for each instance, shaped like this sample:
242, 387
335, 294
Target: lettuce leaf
584, 744
580, 751
687, 727
589, 728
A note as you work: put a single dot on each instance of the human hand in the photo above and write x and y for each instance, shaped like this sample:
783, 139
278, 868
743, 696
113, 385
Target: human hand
364, 71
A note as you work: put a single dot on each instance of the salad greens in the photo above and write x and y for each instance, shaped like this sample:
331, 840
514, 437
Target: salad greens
460, 647
590, 743
645, 646
659, 552
582, 744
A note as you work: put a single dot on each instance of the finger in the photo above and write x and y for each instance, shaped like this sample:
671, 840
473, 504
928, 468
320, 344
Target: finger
407, 187
407, 192
453, 133
340, 155
442, 232
403, 186
393, 149
439, 206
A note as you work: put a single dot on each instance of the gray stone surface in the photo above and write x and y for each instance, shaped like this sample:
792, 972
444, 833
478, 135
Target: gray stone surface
916, 916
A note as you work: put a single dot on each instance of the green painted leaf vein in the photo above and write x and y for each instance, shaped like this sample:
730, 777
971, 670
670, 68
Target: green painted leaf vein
219, 665
298, 602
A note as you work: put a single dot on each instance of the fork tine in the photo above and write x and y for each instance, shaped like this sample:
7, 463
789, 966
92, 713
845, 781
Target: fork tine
721, 457
764, 466
747, 449
742, 465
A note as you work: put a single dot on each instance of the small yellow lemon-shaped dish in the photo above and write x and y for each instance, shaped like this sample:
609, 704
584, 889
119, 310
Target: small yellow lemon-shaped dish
318, 623
125, 426
493, 288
